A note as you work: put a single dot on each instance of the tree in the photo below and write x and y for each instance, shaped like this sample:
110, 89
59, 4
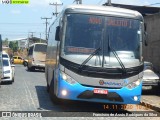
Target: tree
13, 45
5, 42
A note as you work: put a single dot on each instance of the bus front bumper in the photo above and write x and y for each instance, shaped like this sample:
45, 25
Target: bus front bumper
83, 93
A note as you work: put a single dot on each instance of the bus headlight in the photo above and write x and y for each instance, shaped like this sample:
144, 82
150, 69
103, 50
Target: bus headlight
64, 92
67, 78
134, 84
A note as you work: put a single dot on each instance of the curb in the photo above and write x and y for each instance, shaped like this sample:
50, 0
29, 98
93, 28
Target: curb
150, 106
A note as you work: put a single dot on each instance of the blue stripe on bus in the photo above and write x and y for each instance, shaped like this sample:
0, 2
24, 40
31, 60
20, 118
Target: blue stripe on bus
74, 90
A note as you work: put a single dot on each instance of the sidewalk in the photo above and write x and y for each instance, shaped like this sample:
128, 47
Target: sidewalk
151, 101
151, 98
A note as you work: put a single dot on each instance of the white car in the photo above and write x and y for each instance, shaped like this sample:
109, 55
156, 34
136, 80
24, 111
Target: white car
5, 55
8, 70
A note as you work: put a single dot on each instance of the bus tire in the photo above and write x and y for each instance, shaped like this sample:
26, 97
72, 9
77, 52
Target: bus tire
53, 97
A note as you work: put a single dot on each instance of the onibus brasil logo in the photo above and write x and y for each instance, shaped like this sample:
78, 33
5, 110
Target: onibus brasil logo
14, 1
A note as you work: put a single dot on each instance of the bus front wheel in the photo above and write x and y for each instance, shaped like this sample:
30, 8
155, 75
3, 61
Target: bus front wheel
52, 95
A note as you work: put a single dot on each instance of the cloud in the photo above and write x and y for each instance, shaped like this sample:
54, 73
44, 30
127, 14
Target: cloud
15, 11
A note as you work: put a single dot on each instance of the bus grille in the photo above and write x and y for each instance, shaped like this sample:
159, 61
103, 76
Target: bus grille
111, 96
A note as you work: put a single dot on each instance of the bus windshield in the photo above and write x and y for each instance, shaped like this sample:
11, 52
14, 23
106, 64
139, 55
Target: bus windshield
40, 48
86, 33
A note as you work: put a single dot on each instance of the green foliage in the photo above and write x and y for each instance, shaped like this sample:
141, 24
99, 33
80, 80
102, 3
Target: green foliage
13, 45
5, 42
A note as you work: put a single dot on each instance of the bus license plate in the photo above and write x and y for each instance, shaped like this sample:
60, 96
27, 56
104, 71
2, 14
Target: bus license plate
100, 91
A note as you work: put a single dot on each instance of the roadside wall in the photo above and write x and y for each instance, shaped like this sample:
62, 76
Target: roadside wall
151, 52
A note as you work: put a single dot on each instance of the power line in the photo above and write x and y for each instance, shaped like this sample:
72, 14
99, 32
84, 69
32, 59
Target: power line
11, 32
21, 23
155, 4
100, 2
44, 11
14, 34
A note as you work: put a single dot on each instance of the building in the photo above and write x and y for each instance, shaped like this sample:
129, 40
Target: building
151, 52
25, 42
152, 19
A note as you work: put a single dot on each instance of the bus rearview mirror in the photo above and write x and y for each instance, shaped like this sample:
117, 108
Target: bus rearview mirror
57, 38
145, 35
145, 38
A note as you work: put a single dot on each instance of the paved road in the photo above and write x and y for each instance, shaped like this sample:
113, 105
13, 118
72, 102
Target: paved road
28, 93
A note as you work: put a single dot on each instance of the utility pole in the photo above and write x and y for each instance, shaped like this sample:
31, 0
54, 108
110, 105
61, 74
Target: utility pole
31, 37
32, 34
108, 3
40, 37
78, 1
56, 5
28, 41
46, 26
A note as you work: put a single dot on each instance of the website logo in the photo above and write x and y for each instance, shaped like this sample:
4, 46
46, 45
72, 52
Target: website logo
101, 82
5, 1
14, 1
114, 84
6, 114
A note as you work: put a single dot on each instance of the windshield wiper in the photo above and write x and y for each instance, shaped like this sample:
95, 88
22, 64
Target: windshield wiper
116, 56
90, 56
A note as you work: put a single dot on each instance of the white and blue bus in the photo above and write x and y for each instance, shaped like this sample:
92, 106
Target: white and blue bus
1, 64
94, 54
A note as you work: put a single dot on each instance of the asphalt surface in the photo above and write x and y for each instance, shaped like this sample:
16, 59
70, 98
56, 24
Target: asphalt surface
28, 93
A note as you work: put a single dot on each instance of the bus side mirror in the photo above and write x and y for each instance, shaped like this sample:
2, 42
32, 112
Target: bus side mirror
57, 38
145, 39
145, 35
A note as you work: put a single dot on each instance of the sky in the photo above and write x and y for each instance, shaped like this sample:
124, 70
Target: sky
18, 21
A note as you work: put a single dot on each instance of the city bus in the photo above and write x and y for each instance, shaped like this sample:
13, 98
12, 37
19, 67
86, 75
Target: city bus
1, 66
36, 56
94, 54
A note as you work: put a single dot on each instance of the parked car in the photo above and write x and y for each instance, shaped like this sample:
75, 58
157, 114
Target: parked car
8, 70
5, 55
150, 78
19, 60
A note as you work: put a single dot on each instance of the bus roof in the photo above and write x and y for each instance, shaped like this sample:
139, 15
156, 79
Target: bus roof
38, 44
103, 10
